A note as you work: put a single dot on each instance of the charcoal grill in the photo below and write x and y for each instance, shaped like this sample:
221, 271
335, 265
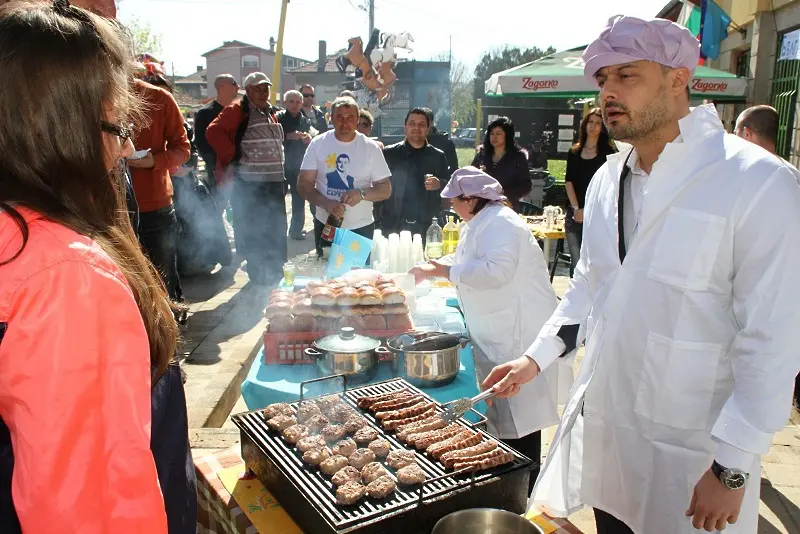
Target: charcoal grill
309, 496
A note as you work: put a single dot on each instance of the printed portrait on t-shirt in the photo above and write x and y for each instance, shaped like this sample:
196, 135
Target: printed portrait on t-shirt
338, 181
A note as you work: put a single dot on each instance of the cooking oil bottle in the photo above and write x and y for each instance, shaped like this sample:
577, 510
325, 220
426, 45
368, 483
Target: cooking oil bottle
450, 235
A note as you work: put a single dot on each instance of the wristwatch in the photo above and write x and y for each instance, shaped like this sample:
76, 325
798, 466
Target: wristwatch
576, 208
733, 479
363, 194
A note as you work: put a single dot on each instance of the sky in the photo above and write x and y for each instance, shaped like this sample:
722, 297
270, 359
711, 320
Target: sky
188, 28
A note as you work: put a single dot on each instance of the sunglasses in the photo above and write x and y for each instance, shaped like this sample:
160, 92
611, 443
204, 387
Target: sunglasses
305, 95
123, 132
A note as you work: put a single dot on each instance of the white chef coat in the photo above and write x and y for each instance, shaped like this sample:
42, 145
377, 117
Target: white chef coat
690, 342
505, 292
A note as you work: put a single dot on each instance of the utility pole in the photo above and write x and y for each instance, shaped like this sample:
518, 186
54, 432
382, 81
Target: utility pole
276, 69
371, 4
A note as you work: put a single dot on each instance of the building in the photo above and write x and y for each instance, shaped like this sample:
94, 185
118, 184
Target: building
762, 45
240, 59
322, 74
195, 85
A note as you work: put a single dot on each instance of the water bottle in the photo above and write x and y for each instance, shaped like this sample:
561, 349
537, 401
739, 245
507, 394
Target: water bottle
450, 235
433, 241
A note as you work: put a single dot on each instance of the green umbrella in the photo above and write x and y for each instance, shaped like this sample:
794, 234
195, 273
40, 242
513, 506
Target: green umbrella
560, 75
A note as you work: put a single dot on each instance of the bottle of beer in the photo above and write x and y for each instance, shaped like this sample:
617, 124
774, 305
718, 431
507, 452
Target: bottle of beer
331, 225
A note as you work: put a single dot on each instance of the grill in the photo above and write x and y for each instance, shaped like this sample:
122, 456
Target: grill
309, 497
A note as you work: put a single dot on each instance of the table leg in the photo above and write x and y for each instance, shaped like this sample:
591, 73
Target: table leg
546, 251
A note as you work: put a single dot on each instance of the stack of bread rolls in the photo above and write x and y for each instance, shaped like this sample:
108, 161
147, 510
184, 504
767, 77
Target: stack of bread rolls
327, 306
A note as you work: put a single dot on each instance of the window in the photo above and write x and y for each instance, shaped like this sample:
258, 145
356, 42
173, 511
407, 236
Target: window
742, 64
290, 62
250, 62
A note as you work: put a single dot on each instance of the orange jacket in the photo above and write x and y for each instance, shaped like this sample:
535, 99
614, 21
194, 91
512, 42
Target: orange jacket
166, 138
75, 387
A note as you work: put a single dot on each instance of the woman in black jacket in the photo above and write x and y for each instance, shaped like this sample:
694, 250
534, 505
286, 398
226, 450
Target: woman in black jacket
503, 159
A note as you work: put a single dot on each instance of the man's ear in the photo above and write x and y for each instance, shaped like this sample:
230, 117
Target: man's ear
680, 80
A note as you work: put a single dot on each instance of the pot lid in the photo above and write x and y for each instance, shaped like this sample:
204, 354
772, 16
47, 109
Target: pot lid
423, 341
347, 341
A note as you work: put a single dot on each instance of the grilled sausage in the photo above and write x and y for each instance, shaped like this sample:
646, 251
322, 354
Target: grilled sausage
369, 400
405, 413
462, 435
474, 439
487, 463
394, 424
426, 425
397, 404
449, 459
430, 430
442, 435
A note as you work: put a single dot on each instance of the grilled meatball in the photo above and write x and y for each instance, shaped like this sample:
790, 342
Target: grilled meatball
411, 474
372, 471
346, 447
361, 457
316, 456
346, 474
307, 410
332, 465
400, 459
354, 424
341, 413
333, 432
281, 422
365, 435
295, 433
328, 403
382, 487
279, 408
350, 493
380, 447
317, 423
311, 442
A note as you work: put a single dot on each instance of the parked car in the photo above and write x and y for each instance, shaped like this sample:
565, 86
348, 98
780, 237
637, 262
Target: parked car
466, 138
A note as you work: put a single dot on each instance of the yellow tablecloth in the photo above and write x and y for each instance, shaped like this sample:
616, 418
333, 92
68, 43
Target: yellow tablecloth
541, 231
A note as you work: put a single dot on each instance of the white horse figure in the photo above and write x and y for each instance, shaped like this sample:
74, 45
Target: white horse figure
390, 43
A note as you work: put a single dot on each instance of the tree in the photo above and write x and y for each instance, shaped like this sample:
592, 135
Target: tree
144, 39
462, 101
500, 59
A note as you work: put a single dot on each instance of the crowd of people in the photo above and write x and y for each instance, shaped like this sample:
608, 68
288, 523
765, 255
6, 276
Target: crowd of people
683, 292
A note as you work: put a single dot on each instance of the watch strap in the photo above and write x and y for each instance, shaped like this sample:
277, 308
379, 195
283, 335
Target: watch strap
717, 469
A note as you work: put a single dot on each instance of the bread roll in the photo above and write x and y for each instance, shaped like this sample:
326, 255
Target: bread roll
399, 322
354, 322
385, 285
395, 309
337, 284
278, 309
303, 323
370, 297
362, 284
393, 295
374, 322
302, 307
323, 297
315, 284
323, 324
347, 297
281, 325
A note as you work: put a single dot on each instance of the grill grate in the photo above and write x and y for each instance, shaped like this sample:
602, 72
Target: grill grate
320, 492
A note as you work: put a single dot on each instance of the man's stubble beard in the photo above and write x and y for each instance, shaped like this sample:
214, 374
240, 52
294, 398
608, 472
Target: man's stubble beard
640, 125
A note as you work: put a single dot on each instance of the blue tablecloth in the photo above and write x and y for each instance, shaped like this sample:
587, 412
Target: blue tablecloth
268, 384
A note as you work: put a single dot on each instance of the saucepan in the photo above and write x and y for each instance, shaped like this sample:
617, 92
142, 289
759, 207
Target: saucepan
485, 521
426, 359
347, 353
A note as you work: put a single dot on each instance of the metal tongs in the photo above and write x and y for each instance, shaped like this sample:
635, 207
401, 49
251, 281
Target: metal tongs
459, 407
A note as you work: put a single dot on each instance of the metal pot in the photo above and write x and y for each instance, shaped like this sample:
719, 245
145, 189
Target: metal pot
347, 353
485, 521
431, 363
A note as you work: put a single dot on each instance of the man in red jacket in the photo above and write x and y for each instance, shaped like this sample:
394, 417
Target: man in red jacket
248, 142
165, 140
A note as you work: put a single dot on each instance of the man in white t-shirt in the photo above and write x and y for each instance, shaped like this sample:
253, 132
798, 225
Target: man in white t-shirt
344, 173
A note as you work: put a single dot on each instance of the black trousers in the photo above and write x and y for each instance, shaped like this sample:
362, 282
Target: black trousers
298, 205
260, 214
158, 235
608, 524
530, 446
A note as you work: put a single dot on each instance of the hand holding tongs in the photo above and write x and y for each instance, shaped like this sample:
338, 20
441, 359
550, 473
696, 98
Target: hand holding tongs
459, 407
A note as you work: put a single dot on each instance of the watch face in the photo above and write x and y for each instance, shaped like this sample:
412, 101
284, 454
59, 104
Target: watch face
734, 479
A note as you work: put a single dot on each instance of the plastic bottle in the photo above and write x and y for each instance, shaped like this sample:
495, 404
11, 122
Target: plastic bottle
450, 235
433, 241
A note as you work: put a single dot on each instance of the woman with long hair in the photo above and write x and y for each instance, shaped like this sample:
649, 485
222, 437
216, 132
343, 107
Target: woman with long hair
87, 335
585, 157
502, 158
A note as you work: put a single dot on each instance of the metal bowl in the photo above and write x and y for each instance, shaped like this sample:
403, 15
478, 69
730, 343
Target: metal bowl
437, 364
485, 521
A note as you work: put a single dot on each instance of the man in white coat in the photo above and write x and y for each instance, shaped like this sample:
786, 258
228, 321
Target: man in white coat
686, 296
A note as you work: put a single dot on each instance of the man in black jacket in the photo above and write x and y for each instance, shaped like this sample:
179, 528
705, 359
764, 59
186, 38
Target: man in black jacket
296, 128
419, 172
227, 89
312, 112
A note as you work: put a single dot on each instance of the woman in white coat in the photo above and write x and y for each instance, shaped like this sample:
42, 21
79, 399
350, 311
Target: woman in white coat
506, 296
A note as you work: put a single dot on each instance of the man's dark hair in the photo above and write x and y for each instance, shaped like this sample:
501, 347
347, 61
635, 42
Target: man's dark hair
364, 114
420, 111
351, 94
763, 120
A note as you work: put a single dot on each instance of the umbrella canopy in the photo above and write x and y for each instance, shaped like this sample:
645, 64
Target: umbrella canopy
560, 75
